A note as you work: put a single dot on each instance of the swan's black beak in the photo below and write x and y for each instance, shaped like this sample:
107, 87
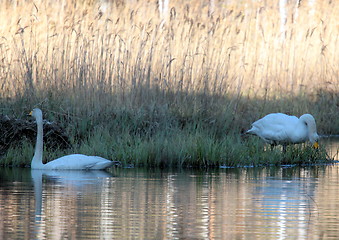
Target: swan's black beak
315, 145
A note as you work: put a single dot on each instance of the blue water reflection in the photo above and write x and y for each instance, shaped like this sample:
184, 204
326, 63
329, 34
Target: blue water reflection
241, 203
285, 205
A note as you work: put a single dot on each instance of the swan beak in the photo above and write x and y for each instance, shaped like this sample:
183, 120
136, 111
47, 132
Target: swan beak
30, 113
316, 145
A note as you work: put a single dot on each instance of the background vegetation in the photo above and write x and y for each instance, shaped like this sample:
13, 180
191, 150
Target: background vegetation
179, 90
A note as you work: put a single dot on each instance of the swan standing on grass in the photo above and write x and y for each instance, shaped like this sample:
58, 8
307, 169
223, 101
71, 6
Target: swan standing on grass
68, 162
279, 128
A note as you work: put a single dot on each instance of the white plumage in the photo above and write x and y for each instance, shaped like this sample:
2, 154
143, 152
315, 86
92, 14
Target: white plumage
279, 128
68, 162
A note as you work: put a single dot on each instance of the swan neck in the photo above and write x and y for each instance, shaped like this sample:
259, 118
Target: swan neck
37, 158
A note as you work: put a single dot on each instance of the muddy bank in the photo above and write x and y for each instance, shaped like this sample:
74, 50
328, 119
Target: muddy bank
14, 131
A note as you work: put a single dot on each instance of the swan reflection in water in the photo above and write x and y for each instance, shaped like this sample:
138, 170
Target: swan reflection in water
54, 187
287, 202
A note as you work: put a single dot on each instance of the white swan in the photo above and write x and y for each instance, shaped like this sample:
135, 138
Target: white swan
279, 128
70, 162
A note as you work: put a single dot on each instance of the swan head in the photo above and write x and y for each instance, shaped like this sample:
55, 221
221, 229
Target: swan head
36, 113
313, 136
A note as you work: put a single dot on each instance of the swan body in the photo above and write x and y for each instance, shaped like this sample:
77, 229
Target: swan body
68, 162
279, 128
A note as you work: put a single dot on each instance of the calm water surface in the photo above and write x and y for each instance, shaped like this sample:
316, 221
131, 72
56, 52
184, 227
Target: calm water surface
244, 203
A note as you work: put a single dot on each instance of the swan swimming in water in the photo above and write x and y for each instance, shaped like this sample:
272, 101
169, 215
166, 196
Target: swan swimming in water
68, 162
279, 128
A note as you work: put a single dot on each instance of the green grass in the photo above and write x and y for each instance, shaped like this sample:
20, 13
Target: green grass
196, 144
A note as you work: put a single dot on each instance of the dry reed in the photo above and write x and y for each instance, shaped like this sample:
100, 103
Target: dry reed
72, 57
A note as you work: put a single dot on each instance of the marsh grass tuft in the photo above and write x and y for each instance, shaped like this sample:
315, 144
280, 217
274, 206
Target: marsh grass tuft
175, 148
18, 156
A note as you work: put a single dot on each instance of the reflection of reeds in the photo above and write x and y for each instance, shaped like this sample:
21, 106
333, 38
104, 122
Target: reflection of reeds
233, 66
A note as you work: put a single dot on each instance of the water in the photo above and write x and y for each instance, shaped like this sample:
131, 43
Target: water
244, 203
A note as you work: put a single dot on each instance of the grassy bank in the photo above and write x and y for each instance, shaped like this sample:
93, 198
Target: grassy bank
193, 145
130, 86
162, 138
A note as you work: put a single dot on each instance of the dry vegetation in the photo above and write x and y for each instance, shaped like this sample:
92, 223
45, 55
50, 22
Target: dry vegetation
225, 70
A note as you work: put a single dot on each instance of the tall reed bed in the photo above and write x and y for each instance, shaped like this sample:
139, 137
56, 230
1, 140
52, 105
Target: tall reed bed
128, 69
